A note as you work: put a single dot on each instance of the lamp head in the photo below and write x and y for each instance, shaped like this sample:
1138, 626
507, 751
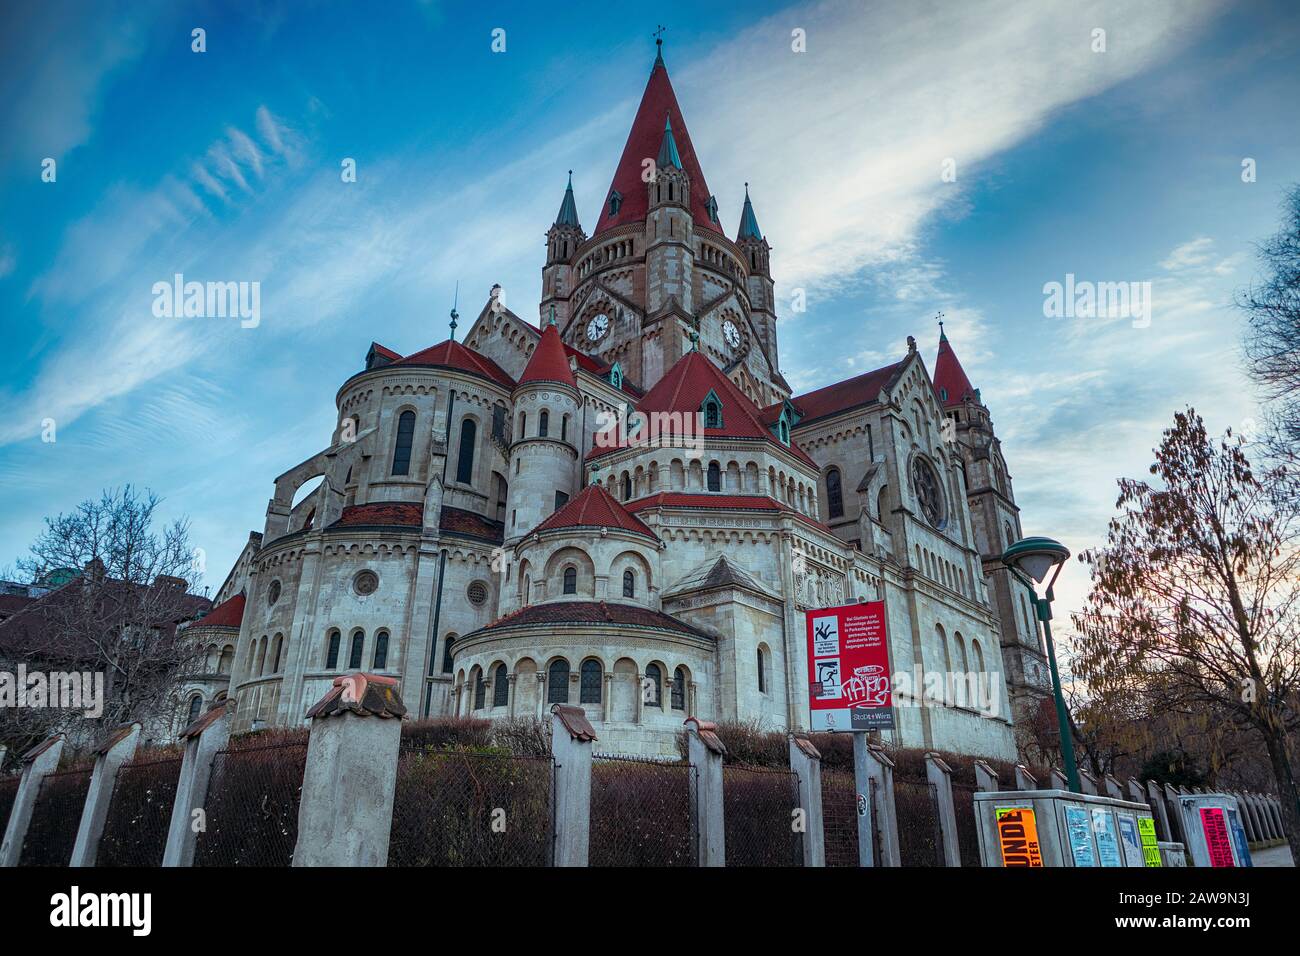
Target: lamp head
1036, 557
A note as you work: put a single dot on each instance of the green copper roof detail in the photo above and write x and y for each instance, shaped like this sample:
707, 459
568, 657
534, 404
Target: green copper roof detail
568, 214
668, 155
748, 221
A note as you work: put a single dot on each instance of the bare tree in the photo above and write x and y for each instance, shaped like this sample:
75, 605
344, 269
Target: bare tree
1194, 596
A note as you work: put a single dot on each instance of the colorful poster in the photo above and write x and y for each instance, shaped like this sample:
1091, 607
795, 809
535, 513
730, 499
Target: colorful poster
1239, 838
1217, 839
1018, 836
1103, 831
848, 668
1079, 832
1129, 839
1150, 849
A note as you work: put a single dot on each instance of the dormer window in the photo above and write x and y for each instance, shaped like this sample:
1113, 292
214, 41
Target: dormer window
616, 375
615, 202
943, 395
712, 207
711, 409
784, 432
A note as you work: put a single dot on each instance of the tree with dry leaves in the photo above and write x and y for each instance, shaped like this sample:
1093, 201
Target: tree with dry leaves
1193, 599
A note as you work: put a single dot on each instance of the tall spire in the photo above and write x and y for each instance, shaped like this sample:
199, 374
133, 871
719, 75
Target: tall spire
748, 222
568, 214
659, 48
668, 156
950, 379
454, 314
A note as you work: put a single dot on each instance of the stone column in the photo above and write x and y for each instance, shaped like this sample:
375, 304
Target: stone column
806, 761
571, 737
705, 750
880, 772
607, 702
346, 813
542, 684
1113, 789
1024, 779
939, 774
41, 760
1155, 799
109, 757
202, 739
986, 778
511, 681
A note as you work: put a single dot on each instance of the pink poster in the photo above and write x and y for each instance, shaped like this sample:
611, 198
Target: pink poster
1217, 838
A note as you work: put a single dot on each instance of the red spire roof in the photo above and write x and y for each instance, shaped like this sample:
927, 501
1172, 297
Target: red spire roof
451, 354
595, 508
643, 141
950, 381
229, 613
549, 362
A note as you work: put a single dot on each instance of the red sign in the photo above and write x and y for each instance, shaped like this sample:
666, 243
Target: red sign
1217, 839
848, 668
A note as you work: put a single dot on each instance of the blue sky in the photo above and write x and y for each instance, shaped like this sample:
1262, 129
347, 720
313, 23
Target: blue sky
1122, 165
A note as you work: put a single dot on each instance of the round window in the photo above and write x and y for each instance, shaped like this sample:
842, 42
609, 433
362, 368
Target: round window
366, 582
273, 592
928, 494
477, 593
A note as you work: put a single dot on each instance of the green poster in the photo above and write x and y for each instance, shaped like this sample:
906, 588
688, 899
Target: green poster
1150, 851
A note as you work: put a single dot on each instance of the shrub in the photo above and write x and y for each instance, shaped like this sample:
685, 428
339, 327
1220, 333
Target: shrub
448, 733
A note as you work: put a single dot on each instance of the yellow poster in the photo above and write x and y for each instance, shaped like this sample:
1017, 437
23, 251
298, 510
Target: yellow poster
1018, 836
1150, 851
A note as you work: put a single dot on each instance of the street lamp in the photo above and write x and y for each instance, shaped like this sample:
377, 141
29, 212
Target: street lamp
1030, 560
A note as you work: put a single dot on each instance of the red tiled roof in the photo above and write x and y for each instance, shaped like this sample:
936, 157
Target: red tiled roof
591, 612
851, 393
950, 381
471, 524
657, 103
595, 508
686, 499
382, 514
13, 603
385, 351
451, 354
548, 362
683, 390
229, 613
585, 361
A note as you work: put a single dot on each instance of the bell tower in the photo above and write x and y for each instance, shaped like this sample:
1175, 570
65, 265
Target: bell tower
759, 284
562, 241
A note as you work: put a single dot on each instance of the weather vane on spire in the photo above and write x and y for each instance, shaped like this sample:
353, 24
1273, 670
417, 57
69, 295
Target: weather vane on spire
454, 314
659, 45
939, 316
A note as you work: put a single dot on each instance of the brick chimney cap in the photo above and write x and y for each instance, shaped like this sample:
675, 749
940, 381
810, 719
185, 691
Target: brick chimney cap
575, 721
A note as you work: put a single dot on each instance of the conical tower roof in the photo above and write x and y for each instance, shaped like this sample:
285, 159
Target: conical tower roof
549, 363
950, 379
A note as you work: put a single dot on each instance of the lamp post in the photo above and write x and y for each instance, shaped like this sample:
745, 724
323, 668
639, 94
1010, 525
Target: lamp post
1029, 561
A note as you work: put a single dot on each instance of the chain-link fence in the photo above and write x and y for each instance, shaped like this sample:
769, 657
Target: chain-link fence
55, 818
8, 793
140, 813
916, 804
641, 812
963, 805
758, 805
455, 808
251, 811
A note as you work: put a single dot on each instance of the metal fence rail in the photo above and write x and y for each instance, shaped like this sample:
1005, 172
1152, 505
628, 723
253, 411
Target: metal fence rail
55, 818
455, 808
963, 805
916, 804
252, 806
8, 793
140, 813
758, 807
641, 812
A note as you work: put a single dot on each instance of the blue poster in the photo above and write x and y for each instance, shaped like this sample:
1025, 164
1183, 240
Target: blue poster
1132, 843
1239, 838
1103, 830
1079, 831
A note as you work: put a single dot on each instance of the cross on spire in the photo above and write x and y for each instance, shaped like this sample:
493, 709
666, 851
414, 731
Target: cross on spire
939, 316
659, 46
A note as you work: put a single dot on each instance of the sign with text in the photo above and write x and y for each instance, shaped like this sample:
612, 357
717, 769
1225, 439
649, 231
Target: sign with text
1078, 829
1018, 836
848, 668
1128, 834
1150, 849
1103, 831
1217, 839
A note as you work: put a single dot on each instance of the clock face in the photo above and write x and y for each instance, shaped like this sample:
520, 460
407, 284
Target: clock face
598, 326
731, 334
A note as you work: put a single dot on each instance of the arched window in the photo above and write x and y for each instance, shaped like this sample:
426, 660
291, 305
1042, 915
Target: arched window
446, 653
500, 686
358, 645
278, 653
678, 698
465, 460
381, 650
543, 423
762, 672
627, 487
712, 412
196, 705
715, 477
332, 651
589, 691
570, 581
654, 686
1011, 535
629, 583
834, 493
882, 503
402, 447
480, 690
785, 432
557, 682
564, 428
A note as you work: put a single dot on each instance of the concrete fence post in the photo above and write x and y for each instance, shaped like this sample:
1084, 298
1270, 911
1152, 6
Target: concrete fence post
1266, 816
939, 774
1136, 792
1174, 818
1243, 814
1024, 779
109, 757
806, 762
202, 739
1275, 809
1057, 780
1257, 832
1113, 789
4, 752
348, 784
1088, 783
41, 760
705, 750
571, 737
986, 778
1155, 799
880, 771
